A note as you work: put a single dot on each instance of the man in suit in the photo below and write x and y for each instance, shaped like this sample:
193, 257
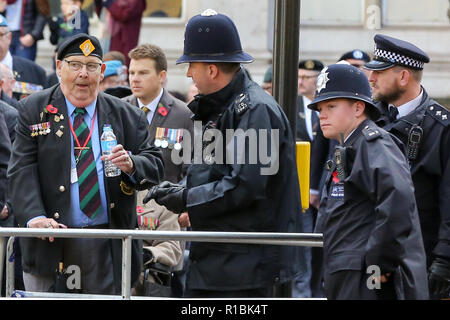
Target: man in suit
60, 134
168, 118
24, 70
148, 70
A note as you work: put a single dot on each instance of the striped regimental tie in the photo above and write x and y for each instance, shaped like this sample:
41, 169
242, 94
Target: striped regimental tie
88, 186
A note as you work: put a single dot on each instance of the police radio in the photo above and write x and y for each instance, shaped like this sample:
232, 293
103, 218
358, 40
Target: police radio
340, 160
414, 140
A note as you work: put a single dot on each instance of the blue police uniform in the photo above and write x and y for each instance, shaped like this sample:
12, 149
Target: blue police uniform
368, 217
232, 196
426, 133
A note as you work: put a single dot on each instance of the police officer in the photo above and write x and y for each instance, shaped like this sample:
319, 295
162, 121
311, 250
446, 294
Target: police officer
368, 215
235, 196
424, 128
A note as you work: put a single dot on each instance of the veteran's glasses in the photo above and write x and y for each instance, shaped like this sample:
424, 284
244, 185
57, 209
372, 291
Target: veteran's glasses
77, 66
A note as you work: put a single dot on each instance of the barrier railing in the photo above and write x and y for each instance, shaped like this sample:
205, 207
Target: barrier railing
290, 239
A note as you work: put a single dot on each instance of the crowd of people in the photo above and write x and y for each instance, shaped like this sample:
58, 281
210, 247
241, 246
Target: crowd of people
380, 163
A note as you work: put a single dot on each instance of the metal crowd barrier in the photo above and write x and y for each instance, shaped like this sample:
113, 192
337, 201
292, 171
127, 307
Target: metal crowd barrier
290, 239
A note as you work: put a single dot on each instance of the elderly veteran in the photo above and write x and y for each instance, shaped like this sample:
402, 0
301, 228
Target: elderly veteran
57, 155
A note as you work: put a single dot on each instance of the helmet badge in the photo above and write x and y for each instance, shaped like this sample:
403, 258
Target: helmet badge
209, 13
322, 80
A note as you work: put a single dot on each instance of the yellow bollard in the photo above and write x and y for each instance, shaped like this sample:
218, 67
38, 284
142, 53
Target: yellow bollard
303, 169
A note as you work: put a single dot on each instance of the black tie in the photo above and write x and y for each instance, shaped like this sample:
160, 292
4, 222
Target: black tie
393, 113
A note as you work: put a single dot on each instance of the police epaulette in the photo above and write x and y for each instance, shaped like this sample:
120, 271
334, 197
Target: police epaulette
241, 104
439, 113
371, 133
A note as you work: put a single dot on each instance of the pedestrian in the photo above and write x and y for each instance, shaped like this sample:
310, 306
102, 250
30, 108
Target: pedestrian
232, 195
58, 156
423, 126
121, 20
27, 20
368, 213
72, 20
24, 70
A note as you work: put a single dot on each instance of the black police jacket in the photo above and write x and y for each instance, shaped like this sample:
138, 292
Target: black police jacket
430, 170
370, 217
243, 197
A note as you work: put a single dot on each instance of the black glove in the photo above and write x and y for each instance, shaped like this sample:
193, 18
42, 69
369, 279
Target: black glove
171, 195
439, 277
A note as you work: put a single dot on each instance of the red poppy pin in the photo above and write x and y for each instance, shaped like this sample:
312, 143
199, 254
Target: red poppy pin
335, 177
50, 108
162, 111
139, 209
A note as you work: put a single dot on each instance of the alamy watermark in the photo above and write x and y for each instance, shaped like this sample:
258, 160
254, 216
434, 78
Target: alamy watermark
236, 147
374, 280
74, 21
74, 277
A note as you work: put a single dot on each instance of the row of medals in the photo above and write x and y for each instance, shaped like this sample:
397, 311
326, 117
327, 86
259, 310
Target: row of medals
42, 129
166, 142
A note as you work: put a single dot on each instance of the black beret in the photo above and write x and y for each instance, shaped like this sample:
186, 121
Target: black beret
315, 65
391, 51
355, 54
80, 44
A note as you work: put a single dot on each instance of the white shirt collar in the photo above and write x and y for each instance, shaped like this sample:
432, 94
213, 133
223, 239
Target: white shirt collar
8, 61
153, 104
410, 106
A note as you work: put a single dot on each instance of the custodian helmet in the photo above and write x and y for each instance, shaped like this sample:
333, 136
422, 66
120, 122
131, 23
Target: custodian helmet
343, 80
212, 37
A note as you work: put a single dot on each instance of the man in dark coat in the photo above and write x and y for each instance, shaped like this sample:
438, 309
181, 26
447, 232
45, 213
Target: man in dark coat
373, 246
235, 194
57, 155
424, 128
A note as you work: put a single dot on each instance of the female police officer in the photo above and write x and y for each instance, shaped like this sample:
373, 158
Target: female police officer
372, 242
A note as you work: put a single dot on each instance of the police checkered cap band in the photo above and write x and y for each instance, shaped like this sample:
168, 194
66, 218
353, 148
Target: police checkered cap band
393, 57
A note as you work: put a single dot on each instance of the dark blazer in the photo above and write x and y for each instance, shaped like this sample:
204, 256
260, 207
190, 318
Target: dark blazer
178, 117
27, 71
5, 148
11, 101
11, 115
43, 163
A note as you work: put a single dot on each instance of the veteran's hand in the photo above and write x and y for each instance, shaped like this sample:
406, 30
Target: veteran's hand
120, 157
46, 223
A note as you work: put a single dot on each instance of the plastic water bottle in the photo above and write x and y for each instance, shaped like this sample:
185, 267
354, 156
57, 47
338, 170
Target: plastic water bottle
109, 141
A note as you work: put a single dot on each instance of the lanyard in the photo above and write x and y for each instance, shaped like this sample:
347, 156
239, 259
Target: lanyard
79, 147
